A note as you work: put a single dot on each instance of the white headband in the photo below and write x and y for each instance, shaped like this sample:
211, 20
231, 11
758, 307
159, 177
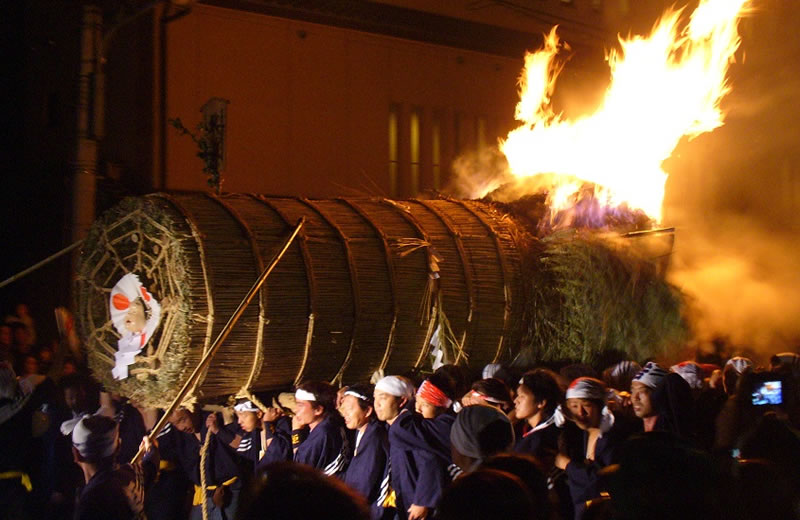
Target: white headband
356, 395
491, 370
691, 372
246, 406
395, 386
651, 376
304, 395
586, 388
739, 364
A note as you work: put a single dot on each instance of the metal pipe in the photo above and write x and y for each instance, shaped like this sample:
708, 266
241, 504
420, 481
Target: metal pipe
646, 232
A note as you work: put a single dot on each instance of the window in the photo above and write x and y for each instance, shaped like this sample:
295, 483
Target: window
480, 132
457, 132
414, 142
394, 159
436, 150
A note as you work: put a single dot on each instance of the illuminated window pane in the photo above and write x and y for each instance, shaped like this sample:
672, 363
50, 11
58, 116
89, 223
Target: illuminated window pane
436, 150
413, 138
394, 160
480, 132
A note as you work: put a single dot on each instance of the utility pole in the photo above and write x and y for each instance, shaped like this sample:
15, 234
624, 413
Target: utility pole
85, 164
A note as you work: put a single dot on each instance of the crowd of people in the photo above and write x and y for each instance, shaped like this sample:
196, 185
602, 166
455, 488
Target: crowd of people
625, 441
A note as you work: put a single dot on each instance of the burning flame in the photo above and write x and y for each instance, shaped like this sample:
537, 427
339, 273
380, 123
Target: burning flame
663, 87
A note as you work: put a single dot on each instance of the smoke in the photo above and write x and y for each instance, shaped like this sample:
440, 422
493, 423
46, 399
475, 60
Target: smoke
733, 194
735, 198
476, 174
743, 283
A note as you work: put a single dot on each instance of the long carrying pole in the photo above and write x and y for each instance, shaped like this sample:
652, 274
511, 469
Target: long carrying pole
40, 264
209, 355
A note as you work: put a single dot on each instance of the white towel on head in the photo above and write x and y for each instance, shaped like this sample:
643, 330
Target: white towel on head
395, 386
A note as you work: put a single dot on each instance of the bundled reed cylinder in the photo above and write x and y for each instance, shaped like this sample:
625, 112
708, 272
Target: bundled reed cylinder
369, 284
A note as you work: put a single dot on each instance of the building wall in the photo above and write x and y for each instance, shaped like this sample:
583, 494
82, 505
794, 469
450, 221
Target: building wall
310, 104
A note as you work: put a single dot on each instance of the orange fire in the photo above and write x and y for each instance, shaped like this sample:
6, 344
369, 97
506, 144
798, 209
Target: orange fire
663, 87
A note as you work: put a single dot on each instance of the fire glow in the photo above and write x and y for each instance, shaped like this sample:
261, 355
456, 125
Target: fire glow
663, 87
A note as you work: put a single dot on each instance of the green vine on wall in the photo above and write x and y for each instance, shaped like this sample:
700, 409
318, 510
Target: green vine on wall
208, 137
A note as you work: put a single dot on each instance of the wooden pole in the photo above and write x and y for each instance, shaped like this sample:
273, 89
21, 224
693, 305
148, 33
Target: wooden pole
223, 334
40, 264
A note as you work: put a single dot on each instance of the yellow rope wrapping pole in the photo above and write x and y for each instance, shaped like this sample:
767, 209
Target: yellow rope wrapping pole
203, 454
212, 350
40, 264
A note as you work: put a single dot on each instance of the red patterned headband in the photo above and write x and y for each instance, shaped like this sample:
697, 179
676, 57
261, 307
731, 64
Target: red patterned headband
428, 392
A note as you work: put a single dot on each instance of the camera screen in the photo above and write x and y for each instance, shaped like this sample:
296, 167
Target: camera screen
768, 393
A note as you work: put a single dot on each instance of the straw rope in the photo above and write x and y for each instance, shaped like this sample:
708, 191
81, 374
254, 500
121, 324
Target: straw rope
246, 393
203, 484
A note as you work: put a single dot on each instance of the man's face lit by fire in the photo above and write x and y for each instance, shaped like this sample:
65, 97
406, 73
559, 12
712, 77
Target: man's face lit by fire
308, 412
428, 410
354, 416
641, 400
584, 412
249, 421
182, 420
387, 406
525, 404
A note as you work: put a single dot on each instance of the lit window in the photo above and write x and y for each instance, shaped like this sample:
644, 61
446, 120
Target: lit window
457, 128
480, 132
394, 160
436, 150
413, 139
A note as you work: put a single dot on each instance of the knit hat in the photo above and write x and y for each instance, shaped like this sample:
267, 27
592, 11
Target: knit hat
480, 431
691, 372
652, 375
395, 386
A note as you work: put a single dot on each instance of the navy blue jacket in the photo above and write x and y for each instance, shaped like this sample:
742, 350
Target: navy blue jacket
324, 448
167, 497
582, 474
419, 451
542, 444
222, 463
280, 447
368, 471
108, 494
